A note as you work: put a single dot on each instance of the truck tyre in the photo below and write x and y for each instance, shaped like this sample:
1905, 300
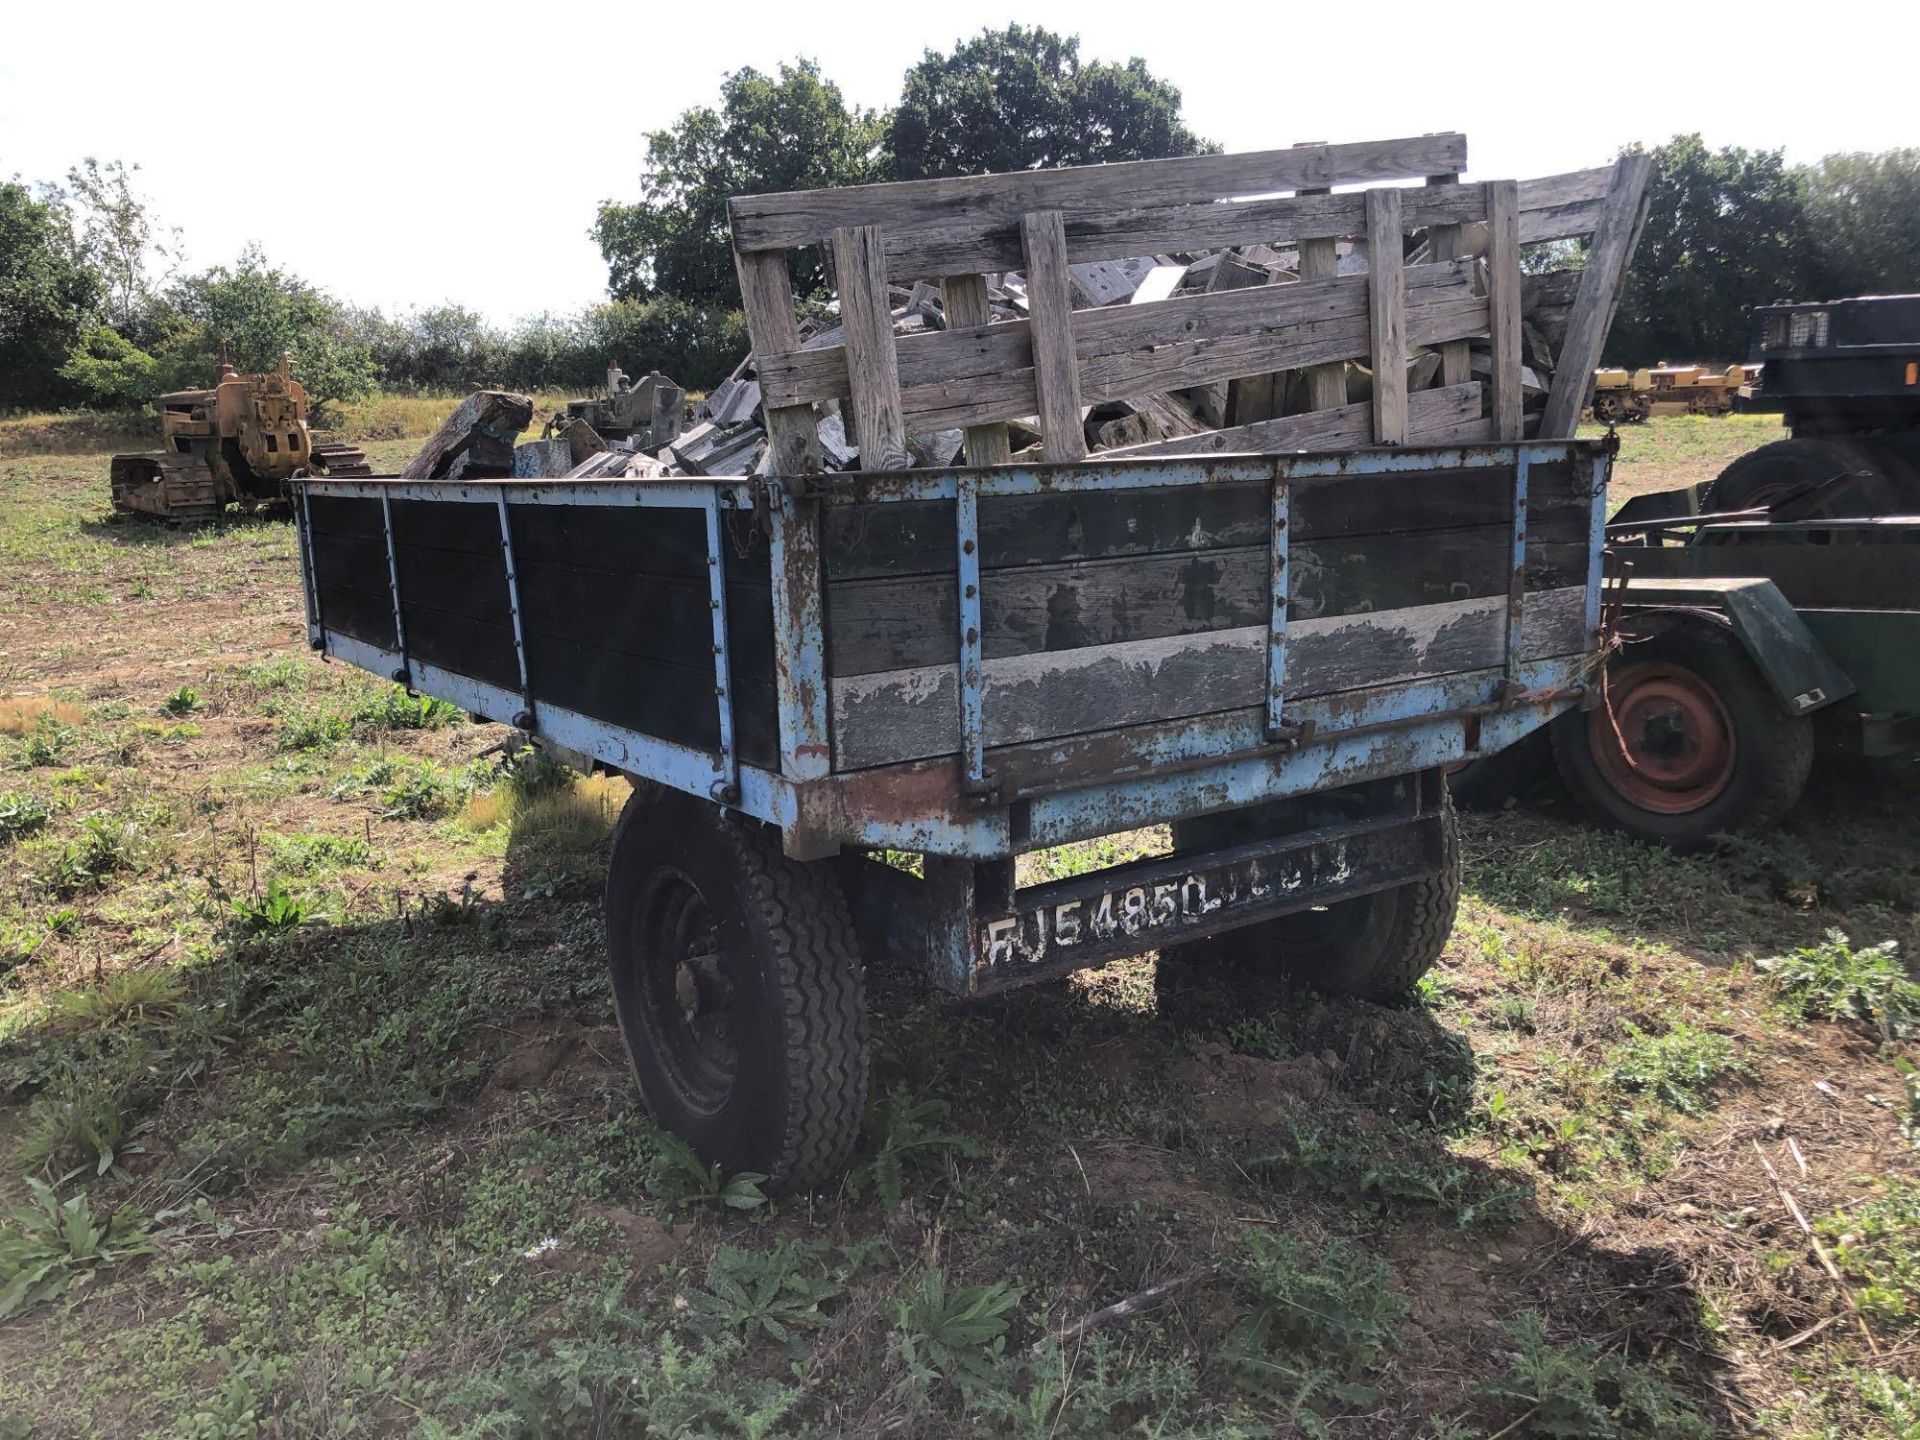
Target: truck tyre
1760, 477
1373, 946
1688, 742
738, 985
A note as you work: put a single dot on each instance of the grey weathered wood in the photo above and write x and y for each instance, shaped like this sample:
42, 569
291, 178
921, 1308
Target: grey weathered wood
899, 623
479, 419
766, 293
873, 372
1430, 413
1320, 260
914, 714
1444, 241
1559, 207
965, 300
909, 208
1387, 317
1600, 283
1056, 369
1503, 306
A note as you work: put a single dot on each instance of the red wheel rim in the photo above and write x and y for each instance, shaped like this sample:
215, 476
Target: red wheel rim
1679, 741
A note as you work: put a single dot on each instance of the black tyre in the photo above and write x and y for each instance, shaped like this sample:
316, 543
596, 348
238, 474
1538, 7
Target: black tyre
1764, 476
1689, 742
739, 989
1373, 946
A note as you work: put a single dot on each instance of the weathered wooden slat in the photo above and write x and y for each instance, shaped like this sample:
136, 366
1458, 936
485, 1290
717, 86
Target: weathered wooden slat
1320, 260
1503, 306
960, 361
896, 624
966, 304
1600, 282
1387, 317
1056, 370
1429, 413
1559, 207
873, 372
766, 293
908, 210
914, 714
1444, 240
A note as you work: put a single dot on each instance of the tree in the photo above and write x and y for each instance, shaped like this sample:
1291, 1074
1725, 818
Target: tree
48, 295
117, 233
1020, 99
790, 131
110, 370
261, 312
1726, 230
1864, 214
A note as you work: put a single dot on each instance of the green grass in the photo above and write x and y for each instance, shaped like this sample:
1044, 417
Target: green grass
306, 995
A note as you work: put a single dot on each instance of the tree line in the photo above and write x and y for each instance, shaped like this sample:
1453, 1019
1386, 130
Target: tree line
92, 311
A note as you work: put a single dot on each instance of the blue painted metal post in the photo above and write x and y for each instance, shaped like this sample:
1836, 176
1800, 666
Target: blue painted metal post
799, 636
726, 788
1597, 538
973, 728
1277, 728
404, 674
525, 719
1517, 573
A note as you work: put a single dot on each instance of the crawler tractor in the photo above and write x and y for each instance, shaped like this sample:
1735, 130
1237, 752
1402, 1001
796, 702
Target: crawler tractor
234, 444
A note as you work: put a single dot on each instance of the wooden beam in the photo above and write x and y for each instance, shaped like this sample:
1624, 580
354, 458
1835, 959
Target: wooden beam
873, 370
1444, 243
911, 208
1431, 414
766, 293
1387, 317
965, 301
1600, 284
1320, 260
1056, 366
1503, 306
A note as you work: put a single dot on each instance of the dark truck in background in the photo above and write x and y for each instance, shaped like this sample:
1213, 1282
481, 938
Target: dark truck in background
1765, 615
1844, 376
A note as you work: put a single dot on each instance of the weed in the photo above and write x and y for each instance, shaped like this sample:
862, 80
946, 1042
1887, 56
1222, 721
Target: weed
183, 701
271, 912
1878, 1245
776, 1293
311, 729
102, 847
681, 1178
1834, 981
392, 708
49, 1242
1093, 1389
1382, 1167
902, 1135
78, 1122
1682, 1068
47, 743
21, 814
1258, 1035
125, 995
957, 1337
308, 854
1581, 1392
418, 792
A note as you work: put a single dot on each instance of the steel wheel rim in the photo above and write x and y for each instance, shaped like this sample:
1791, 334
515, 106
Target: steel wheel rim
686, 995
1680, 743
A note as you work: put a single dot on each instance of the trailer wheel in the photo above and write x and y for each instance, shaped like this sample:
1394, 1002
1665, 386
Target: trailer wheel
738, 985
1761, 477
1373, 946
1688, 743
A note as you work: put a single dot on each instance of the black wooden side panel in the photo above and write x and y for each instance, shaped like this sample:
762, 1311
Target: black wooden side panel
348, 547
453, 589
619, 624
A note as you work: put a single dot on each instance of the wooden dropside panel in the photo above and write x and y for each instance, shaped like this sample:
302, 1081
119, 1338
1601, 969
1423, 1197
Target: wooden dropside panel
348, 547
1114, 608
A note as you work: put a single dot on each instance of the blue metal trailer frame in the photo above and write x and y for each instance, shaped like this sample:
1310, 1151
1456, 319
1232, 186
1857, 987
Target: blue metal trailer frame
1151, 776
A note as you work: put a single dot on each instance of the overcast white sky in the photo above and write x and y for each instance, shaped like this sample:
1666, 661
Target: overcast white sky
402, 153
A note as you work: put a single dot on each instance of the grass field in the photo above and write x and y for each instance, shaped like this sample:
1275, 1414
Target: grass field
313, 1120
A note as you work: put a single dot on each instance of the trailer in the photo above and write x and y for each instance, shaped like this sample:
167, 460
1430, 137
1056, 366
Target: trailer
847, 702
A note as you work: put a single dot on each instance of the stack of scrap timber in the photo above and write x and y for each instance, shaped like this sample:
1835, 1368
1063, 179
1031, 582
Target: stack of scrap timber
1204, 305
1051, 320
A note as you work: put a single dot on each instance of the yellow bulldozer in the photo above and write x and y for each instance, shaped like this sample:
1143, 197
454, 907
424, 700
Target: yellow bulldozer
1667, 390
234, 444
